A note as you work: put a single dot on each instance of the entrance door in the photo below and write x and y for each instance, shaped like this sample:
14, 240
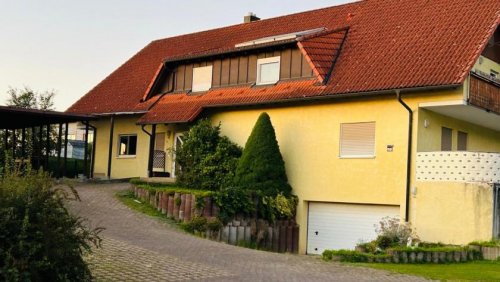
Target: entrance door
178, 141
159, 152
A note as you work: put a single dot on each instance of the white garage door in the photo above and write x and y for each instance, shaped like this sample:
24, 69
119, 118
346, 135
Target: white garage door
342, 226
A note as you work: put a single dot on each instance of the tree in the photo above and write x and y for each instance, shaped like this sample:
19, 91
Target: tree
261, 167
29, 99
207, 160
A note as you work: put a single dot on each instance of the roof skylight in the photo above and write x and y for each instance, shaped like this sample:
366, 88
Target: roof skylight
280, 37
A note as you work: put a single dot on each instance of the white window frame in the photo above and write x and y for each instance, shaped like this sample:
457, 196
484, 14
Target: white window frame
119, 143
362, 156
264, 61
201, 86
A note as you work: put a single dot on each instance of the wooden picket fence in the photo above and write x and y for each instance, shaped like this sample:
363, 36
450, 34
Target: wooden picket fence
280, 236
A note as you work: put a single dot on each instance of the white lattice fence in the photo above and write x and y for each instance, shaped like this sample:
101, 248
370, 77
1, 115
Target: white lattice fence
458, 166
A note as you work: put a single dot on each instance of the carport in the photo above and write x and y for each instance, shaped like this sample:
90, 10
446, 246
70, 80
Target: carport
37, 136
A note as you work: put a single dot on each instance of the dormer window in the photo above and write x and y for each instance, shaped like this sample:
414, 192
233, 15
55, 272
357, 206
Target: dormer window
202, 79
268, 70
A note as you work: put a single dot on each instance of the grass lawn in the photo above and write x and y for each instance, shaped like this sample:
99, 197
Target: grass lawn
127, 198
471, 271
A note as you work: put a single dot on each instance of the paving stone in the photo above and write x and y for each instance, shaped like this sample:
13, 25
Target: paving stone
137, 247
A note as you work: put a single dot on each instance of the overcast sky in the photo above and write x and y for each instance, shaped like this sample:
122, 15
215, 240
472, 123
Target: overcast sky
70, 46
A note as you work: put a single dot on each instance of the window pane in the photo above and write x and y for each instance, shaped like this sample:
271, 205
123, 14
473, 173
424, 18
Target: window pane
357, 139
123, 145
446, 139
462, 141
202, 79
269, 73
132, 145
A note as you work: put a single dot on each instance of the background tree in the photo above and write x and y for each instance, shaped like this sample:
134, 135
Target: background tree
29, 99
261, 167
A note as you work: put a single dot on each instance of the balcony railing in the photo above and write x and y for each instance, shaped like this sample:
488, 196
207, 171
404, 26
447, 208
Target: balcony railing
484, 93
458, 166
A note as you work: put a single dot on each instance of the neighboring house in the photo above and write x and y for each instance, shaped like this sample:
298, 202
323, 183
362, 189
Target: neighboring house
330, 80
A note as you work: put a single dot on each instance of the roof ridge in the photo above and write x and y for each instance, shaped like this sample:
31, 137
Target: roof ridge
359, 2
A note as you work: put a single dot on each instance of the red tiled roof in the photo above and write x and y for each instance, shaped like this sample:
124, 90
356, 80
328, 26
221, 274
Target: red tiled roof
322, 51
181, 107
390, 44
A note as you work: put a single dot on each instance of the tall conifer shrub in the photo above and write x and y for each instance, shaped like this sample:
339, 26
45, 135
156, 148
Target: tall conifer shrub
261, 167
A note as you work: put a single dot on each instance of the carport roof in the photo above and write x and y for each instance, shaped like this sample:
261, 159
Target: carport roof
15, 118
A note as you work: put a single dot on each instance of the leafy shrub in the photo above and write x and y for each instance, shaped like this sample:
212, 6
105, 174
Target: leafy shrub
207, 161
214, 224
197, 224
279, 207
261, 167
368, 247
353, 256
392, 232
233, 201
491, 243
40, 239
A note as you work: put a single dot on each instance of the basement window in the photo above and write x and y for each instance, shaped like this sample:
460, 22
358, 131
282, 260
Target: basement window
268, 70
127, 145
202, 79
357, 140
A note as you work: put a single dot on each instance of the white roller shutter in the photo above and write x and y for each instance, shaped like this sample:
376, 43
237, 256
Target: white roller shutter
342, 226
357, 139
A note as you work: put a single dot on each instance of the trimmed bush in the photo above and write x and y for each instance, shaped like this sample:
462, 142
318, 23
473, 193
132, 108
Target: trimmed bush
261, 167
39, 239
207, 161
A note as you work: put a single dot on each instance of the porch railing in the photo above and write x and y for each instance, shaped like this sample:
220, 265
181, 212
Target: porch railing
484, 93
458, 166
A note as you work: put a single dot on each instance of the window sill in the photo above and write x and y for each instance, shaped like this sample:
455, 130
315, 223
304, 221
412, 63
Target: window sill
126, 157
358, 157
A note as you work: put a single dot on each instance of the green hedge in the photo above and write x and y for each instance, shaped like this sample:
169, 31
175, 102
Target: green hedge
170, 189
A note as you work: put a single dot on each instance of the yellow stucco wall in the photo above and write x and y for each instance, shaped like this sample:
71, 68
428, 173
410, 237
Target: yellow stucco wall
479, 139
308, 137
135, 166
452, 212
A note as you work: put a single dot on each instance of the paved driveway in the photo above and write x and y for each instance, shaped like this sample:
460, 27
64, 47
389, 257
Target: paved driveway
137, 247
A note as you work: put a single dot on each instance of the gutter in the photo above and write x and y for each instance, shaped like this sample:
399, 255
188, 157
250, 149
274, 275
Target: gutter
408, 159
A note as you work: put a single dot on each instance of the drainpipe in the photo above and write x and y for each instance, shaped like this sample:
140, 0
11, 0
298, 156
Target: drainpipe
408, 159
152, 136
110, 152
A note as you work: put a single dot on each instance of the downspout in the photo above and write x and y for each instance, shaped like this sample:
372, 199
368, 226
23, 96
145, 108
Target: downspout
110, 153
151, 148
408, 159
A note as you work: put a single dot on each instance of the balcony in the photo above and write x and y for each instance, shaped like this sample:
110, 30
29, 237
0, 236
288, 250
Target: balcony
458, 167
484, 93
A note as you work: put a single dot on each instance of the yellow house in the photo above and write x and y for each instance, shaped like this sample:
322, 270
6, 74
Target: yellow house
381, 108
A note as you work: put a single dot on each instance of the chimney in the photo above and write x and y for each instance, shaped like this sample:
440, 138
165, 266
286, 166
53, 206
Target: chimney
251, 17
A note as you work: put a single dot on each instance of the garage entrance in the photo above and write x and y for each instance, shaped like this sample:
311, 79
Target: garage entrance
342, 226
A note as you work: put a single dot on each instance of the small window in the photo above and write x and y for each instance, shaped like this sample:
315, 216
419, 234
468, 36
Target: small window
357, 140
446, 138
268, 70
494, 74
462, 141
202, 79
127, 145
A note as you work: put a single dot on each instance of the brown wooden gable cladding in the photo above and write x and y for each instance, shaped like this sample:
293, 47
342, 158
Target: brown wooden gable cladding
230, 71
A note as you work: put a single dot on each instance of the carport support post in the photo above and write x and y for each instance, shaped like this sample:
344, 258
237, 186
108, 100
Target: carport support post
14, 141
40, 146
65, 148
23, 144
110, 152
33, 145
59, 147
86, 151
92, 160
151, 150
47, 143
5, 140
